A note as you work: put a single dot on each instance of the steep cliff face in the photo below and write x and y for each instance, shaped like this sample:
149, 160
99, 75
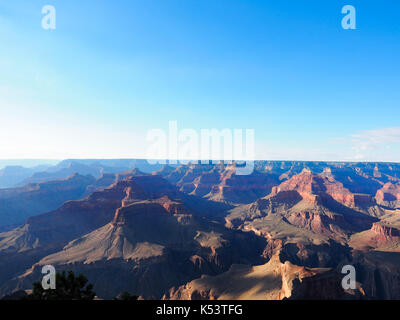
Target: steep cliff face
75, 218
241, 189
308, 184
275, 280
379, 274
385, 232
203, 184
383, 235
220, 183
327, 223
389, 195
327, 255
316, 206
189, 174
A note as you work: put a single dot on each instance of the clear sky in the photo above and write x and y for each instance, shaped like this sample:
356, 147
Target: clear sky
112, 70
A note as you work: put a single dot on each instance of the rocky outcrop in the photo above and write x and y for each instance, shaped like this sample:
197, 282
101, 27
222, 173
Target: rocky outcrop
307, 202
383, 235
219, 182
241, 189
389, 195
308, 184
326, 255
75, 218
384, 231
319, 223
275, 280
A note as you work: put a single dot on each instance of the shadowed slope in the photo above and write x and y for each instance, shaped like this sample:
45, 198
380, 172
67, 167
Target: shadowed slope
18, 204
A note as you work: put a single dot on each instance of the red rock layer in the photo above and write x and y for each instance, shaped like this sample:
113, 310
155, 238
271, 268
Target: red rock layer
389, 192
308, 185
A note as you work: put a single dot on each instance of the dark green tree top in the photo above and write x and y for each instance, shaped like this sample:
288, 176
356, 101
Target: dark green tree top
68, 287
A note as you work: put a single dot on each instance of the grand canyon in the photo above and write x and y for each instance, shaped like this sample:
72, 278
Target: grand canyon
200, 231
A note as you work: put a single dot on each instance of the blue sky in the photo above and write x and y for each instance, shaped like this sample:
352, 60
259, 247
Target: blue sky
112, 70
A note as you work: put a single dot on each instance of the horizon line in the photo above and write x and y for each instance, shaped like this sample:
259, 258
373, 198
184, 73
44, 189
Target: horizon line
194, 160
